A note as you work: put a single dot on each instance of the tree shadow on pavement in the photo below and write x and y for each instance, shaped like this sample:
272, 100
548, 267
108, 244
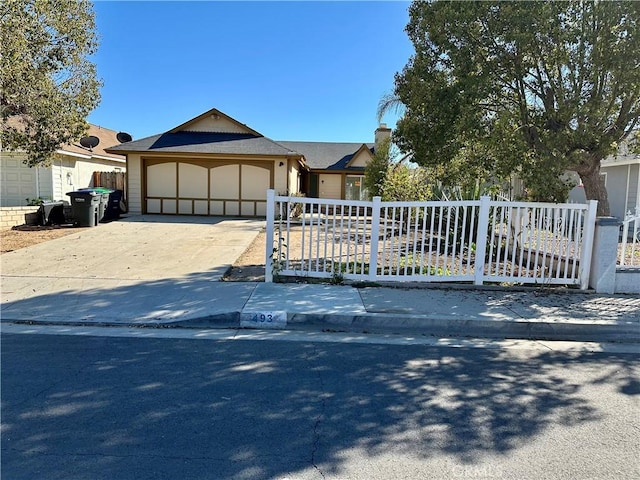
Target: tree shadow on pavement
101, 407
191, 296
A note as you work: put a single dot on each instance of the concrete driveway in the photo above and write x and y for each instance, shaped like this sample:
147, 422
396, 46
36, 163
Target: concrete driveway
140, 267
143, 247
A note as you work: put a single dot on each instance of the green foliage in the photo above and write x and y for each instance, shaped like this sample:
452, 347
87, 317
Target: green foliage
413, 261
533, 88
35, 202
48, 84
395, 181
404, 183
376, 170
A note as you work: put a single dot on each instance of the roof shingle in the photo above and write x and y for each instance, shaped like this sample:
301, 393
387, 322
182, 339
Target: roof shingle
205, 142
326, 155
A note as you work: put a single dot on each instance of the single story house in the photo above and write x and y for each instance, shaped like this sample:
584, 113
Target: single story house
216, 165
72, 168
622, 179
621, 174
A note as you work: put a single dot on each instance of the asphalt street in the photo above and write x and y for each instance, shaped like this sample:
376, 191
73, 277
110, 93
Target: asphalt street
104, 407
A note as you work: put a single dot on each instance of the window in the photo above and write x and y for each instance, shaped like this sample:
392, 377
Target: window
355, 189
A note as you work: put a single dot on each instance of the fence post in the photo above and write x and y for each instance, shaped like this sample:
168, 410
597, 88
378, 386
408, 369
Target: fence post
269, 253
375, 235
587, 253
481, 239
602, 276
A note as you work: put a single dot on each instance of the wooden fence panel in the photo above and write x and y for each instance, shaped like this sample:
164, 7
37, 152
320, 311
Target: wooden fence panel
112, 180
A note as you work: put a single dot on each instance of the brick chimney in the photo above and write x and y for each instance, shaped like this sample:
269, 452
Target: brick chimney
382, 133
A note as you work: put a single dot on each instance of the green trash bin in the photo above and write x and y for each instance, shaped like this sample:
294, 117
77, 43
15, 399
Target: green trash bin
104, 199
85, 207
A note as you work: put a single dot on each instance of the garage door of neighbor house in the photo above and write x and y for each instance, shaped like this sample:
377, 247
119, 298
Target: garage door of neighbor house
200, 187
18, 182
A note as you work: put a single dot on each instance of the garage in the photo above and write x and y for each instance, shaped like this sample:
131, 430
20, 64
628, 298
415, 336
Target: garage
207, 187
210, 165
18, 182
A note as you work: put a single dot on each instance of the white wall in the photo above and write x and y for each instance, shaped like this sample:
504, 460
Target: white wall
69, 173
19, 181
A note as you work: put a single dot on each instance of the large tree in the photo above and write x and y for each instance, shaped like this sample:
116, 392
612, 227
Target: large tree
48, 84
534, 88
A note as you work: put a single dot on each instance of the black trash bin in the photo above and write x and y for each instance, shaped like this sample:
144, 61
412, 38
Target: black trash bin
104, 199
52, 213
85, 206
113, 210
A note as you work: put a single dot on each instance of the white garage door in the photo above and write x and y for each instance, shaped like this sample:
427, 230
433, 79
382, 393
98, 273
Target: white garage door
18, 182
198, 187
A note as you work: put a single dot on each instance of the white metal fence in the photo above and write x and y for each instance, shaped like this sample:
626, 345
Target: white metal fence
629, 251
458, 241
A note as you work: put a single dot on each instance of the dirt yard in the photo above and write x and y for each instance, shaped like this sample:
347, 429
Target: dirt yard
249, 267
26, 235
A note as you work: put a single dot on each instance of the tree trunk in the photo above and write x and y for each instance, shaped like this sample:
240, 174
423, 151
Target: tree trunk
594, 188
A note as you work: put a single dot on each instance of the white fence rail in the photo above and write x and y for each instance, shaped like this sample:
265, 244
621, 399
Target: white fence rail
458, 241
629, 251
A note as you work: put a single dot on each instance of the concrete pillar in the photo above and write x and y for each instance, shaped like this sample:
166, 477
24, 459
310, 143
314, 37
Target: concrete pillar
605, 251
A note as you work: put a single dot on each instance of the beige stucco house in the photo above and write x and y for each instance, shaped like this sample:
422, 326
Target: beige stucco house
72, 168
216, 165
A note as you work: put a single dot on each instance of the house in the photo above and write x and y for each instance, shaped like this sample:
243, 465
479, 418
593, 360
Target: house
72, 167
621, 174
622, 179
215, 165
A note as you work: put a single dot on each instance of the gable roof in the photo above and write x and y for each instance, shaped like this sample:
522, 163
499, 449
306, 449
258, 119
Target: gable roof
328, 155
204, 142
214, 121
105, 136
212, 132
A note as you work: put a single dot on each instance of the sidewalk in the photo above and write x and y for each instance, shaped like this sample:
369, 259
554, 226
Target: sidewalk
199, 302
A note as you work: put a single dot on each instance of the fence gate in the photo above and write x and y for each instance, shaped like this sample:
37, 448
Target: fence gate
475, 241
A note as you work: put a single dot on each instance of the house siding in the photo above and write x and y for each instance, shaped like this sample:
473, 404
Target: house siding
622, 197
330, 186
634, 187
134, 183
65, 174
360, 160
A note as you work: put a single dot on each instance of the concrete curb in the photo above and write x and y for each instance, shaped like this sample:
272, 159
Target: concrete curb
448, 327
416, 325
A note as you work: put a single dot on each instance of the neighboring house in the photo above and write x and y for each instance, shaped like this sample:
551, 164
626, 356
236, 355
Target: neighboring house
72, 168
622, 179
621, 174
215, 165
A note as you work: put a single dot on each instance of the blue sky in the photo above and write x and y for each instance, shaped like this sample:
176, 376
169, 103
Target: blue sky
310, 71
